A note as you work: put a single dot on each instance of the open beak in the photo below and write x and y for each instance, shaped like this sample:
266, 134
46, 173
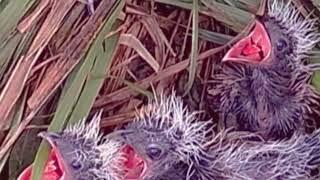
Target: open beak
254, 48
49, 136
51, 172
135, 166
54, 169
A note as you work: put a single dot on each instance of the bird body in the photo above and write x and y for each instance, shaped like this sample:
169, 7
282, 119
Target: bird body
165, 141
262, 84
240, 159
80, 152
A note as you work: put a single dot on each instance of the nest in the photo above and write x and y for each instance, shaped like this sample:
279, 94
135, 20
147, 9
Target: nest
61, 61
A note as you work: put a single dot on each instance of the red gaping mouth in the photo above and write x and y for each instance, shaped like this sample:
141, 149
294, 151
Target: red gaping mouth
53, 169
254, 48
54, 165
135, 166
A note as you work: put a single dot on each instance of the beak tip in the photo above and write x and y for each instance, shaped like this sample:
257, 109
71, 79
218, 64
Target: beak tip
51, 137
224, 59
25, 174
227, 56
42, 134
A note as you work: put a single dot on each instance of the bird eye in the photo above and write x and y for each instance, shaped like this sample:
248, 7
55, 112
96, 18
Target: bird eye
154, 152
76, 164
281, 44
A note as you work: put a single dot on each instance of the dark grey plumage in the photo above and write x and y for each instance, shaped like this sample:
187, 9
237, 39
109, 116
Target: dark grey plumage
272, 98
170, 141
85, 153
176, 146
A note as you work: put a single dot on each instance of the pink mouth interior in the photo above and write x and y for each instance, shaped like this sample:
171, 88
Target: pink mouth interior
53, 169
54, 165
134, 164
254, 48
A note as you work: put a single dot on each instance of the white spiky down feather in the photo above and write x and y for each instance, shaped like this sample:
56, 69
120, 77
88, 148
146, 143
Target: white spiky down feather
171, 111
110, 153
303, 29
288, 158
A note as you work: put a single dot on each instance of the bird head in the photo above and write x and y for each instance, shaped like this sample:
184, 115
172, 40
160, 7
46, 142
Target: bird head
80, 152
164, 136
280, 36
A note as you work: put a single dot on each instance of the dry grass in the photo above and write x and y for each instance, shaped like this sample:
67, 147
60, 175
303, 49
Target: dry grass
59, 63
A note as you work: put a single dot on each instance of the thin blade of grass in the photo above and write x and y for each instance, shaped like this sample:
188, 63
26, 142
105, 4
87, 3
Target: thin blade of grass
10, 17
316, 3
248, 5
79, 97
14, 49
126, 92
7, 52
102, 52
18, 78
136, 88
12, 42
194, 48
72, 53
214, 37
16, 119
34, 16
131, 41
79, 48
233, 17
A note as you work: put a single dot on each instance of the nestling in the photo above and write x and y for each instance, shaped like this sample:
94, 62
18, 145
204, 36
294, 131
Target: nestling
165, 141
263, 83
240, 159
80, 152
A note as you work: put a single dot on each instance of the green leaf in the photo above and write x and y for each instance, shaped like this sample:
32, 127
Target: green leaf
194, 49
233, 17
10, 17
102, 52
136, 88
80, 92
316, 80
214, 37
13, 50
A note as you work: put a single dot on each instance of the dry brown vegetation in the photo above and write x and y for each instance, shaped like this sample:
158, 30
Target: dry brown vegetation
60, 63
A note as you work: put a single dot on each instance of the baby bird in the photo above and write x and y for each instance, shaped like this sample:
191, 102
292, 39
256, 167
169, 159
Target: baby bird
295, 158
262, 84
81, 153
165, 141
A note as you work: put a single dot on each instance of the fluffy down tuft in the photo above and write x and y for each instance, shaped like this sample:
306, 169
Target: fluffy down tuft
169, 113
108, 150
303, 30
295, 158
